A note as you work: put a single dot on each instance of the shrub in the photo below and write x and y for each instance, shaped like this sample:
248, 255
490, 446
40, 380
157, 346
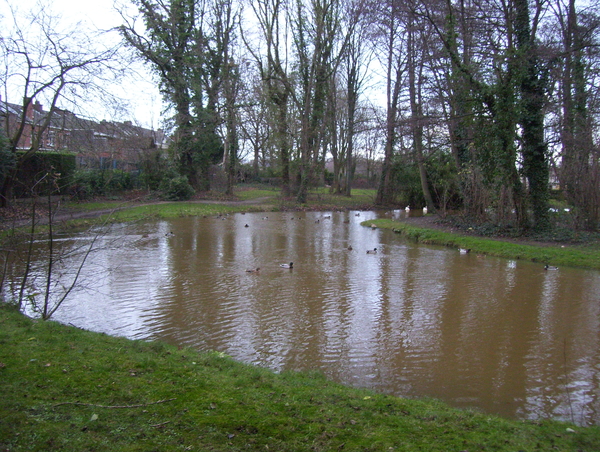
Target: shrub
176, 189
60, 166
89, 183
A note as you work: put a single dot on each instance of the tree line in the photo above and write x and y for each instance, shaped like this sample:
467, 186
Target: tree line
502, 93
481, 105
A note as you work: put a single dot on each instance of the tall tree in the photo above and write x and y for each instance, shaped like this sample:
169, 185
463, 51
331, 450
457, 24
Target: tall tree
579, 170
534, 150
356, 62
180, 50
319, 48
415, 50
391, 38
272, 64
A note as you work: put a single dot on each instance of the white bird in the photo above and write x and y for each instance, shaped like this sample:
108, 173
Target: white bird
550, 267
407, 208
253, 270
373, 251
290, 265
464, 250
425, 210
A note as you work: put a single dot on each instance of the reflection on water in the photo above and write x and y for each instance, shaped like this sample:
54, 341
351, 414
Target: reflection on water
504, 336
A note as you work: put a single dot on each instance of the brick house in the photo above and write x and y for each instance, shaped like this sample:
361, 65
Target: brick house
101, 145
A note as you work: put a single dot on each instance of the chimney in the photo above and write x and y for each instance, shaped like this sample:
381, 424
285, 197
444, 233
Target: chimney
29, 108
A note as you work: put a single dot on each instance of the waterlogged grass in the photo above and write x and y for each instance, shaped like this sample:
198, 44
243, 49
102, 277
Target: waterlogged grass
571, 256
68, 389
176, 209
256, 193
322, 199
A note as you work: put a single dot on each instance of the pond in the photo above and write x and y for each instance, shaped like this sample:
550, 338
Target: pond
502, 336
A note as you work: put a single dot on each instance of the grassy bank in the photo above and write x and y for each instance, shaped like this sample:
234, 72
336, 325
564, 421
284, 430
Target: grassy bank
571, 256
247, 200
68, 389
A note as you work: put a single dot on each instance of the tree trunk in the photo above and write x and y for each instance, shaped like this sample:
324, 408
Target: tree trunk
534, 149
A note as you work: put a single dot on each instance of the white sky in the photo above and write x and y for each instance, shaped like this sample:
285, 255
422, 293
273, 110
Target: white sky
141, 94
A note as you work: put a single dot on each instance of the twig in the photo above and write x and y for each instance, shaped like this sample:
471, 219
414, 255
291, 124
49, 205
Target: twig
115, 406
162, 424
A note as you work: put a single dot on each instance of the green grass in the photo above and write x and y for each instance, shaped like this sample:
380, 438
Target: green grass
321, 199
571, 256
256, 193
318, 199
68, 389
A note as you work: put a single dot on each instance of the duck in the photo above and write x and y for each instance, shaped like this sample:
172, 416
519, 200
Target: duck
290, 265
464, 250
253, 270
246, 225
407, 208
373, 251
373, 226
550, 267
169, 234
425, 210
349, 247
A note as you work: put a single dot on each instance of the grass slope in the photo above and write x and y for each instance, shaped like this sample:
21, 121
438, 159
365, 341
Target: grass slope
68, 389
553, 255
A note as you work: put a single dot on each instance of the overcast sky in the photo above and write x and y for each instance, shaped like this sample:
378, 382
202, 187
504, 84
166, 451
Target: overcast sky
141, 94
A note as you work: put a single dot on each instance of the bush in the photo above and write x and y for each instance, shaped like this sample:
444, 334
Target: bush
155, 168
89, 183
60, 167
176, 189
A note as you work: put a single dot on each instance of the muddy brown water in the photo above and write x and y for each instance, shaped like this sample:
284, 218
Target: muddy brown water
497, 335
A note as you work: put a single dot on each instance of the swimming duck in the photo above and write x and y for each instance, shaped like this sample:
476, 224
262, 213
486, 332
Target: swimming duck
246, 225
290, 265
253, 270
550, 267
349, 247
464, 250
373, 251
169, 234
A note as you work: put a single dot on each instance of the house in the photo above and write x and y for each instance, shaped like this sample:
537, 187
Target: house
102, 145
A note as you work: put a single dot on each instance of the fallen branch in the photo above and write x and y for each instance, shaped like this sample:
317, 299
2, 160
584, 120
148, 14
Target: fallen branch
115, 406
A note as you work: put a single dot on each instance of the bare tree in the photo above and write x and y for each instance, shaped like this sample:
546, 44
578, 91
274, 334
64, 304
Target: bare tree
44, 63
390, 36
273, 30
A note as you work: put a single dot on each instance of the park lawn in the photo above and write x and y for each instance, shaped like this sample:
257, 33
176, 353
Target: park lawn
64, 388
